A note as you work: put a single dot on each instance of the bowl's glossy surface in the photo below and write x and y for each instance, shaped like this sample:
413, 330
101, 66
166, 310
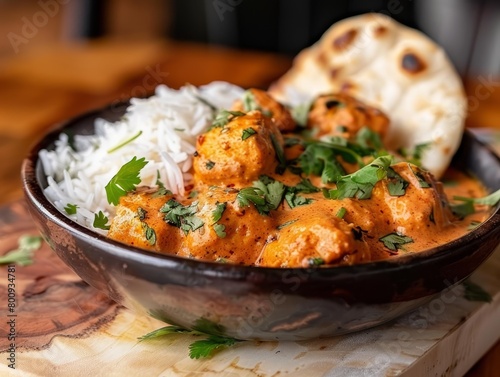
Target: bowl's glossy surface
261, 303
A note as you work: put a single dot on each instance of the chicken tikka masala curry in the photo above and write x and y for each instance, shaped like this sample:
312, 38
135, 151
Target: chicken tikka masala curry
303, 187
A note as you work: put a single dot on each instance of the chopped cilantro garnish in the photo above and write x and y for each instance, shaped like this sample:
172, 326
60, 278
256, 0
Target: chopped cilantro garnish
285, 224
71, 209
490, 200
415, 156
395, 241
264, 196
466, 207
300, 113
315, 262
420, 177
193, 194
247, 132
149, 233
210, 165
224, 117
182, 217
100, 221
321, 160
280, 155
141, 213
249, 102
473, 225
396, 184
295, 200
219, 229
162, 190
122, 144
125, 180
361, 183
341, 213
368, 139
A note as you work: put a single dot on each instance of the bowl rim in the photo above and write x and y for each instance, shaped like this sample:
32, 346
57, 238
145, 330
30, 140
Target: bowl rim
34, 193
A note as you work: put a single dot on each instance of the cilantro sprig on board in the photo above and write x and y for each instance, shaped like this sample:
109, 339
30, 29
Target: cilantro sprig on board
202, 348
125, 180
23, 254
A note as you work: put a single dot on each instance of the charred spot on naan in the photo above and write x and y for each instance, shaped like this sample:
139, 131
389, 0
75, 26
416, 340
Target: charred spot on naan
344, 41
413, 64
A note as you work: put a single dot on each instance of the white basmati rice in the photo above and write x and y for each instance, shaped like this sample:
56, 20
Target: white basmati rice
168, 122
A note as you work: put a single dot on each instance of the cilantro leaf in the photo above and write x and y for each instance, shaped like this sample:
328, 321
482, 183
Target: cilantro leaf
321, 160
23, 255
462, 210
305, 186
149, 233
164, 331
218, 211
219, 229
210, 165
280, 155
341, 213
466, 207
361, 183
285, 224
395, 241
125, 180
265, 194
205, 348
396, 184
71, 209
100, 221
420, 177
295, 200
415, 156
368, 139
249, 102
315, 262
182, 217
473, 225
162, 190
491, 200
247, 132
474, 292
300, 113
122, 144
224, 117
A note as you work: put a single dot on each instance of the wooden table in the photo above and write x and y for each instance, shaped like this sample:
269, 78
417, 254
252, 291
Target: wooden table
47, 87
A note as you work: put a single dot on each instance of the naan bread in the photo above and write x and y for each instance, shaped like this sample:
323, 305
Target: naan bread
392, 67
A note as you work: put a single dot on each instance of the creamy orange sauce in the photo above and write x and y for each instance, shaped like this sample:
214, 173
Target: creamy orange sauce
310, 234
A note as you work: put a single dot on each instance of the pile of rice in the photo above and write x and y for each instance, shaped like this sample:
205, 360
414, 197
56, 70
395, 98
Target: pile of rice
167, 123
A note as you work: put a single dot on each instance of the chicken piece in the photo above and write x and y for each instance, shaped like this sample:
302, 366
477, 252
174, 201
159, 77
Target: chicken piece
256, 99
237, 237
422, 205
343, 115
322, 237
138, 211
238, 153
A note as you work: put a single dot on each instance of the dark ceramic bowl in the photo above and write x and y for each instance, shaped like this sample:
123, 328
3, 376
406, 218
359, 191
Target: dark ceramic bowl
253, 302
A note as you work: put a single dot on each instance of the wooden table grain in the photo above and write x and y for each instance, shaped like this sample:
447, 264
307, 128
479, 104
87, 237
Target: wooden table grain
30, 104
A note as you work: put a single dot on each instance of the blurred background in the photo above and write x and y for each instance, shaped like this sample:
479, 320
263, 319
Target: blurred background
60, 58
468, 29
